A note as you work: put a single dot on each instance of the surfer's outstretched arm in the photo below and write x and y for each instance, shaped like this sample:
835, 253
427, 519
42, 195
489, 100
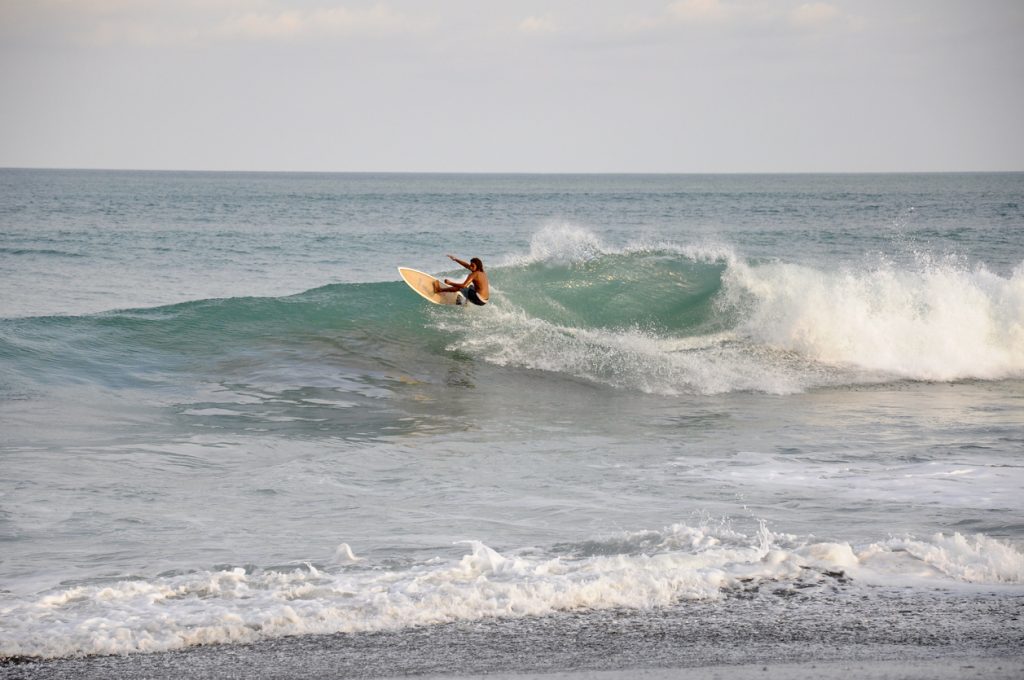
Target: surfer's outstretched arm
461, 262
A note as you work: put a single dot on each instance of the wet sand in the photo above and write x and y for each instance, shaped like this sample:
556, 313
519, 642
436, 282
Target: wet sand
939, 669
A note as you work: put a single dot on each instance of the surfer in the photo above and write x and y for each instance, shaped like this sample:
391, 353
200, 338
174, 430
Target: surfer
475, 288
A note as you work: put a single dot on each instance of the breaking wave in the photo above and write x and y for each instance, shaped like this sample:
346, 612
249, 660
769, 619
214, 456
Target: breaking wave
700, 319
658, 318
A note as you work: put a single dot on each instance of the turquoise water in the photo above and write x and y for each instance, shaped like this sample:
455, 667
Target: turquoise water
225, 418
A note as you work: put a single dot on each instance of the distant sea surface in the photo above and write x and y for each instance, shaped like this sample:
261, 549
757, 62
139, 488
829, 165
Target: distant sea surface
225, 419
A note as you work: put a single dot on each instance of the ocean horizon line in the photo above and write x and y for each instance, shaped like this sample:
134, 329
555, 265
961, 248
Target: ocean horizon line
514, 173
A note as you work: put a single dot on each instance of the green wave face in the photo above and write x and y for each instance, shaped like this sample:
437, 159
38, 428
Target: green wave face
661, 292
363, 322
657, 321
656, 291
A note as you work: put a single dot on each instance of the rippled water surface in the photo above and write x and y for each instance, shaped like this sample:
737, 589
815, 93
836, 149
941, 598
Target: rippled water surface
225, 419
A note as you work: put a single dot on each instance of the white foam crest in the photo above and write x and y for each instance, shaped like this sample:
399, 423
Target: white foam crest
709, 252
973, 559
343, 554
561, 242
567, 243
938, 321
635, 358
234, 605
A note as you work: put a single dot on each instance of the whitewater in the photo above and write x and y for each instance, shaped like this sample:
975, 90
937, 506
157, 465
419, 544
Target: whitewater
224, 420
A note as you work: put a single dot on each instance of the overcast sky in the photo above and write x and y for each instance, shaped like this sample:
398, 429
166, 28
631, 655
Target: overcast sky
513, 86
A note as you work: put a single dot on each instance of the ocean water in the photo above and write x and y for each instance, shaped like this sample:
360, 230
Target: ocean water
224, 419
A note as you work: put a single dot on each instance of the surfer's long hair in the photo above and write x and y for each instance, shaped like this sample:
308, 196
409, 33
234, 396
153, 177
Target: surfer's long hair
478, 262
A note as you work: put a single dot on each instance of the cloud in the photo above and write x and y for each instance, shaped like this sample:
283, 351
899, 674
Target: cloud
377, 20
700, 11
114, 7
169, 23
538, 25
683, 12
814, 14
725, 15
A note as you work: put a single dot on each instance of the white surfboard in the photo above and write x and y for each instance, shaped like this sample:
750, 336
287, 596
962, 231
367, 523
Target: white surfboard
424, 285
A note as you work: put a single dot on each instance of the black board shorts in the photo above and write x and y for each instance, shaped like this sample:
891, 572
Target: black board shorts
469, 293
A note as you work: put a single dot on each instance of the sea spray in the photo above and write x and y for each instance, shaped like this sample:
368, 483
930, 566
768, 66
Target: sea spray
939, 322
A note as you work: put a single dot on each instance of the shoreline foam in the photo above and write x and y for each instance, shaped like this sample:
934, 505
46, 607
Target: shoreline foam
879, 632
